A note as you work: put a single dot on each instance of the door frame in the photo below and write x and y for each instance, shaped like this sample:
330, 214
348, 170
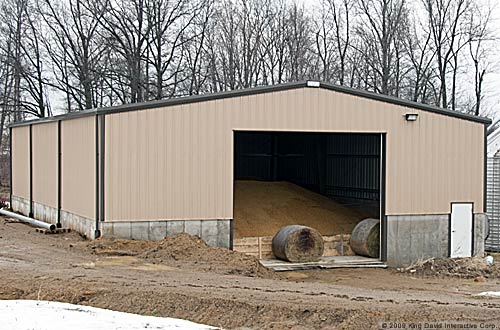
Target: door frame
382, 179
472, 242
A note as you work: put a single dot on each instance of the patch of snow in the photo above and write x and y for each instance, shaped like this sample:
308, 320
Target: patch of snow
50, 315
493, 294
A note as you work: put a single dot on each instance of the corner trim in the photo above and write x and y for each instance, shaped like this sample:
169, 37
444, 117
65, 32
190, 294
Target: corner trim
10, 166
473, 233
449, 234
485, 169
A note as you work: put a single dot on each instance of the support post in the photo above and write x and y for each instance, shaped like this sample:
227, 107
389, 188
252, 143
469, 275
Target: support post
383, 218
102, 153
274, 157
97, 233
59, 174
30, 214
321, 162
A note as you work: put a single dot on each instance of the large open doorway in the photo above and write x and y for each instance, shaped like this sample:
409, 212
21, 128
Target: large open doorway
327, 181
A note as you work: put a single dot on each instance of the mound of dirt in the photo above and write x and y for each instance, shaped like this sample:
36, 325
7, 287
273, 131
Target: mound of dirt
261, 208
185, 250
458, 268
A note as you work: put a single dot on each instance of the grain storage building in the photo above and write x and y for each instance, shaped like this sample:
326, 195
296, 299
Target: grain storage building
146, 170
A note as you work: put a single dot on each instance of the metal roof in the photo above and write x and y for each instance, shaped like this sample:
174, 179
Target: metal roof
255, 91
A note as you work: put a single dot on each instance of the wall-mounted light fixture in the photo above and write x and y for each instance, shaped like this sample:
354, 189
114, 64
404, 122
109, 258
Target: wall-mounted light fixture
411, 116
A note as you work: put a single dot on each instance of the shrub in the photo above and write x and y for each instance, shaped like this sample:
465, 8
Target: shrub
4, 203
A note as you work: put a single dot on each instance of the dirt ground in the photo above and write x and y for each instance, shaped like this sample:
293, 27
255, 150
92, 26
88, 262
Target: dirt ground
161, 280
261, 208
475, 268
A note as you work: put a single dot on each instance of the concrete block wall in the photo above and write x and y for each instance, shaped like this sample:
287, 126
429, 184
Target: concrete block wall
213, 232
20, 205
45, 213
77, 223
416, 237
49, 214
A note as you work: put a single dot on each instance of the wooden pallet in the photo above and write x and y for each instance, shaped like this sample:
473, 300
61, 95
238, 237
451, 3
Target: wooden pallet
325, 263
261, 247
55, 231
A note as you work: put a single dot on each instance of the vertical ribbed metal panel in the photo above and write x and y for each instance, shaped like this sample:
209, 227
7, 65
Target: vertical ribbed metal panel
78, 170
45, 164
353, 166
253, 156
20, 162
176, 162
493, 203
297, 161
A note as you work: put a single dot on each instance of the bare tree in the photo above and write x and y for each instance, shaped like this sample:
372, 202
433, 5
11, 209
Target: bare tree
299, 43
75, 47
195, 48
253, 18
127, 31
421, 55
168, 21
479, 35
274, 50
103, 52
333, 35
385, 19
444, 19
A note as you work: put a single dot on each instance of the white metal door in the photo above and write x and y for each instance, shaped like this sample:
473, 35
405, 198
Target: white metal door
461, 230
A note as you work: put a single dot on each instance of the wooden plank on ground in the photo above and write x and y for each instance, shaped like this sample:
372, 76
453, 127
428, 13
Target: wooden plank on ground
325, 263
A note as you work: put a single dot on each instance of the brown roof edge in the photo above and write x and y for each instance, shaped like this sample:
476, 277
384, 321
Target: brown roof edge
255, 91
406, 103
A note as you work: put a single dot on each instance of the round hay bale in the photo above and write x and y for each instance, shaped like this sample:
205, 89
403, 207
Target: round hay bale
298, 244
365, 238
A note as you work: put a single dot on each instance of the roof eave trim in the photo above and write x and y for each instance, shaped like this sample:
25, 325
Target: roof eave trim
406, 103
254, 91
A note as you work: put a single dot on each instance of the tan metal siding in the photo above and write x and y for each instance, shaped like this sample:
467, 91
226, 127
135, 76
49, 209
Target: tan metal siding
21, 162
78, 166
45, 164
176, 162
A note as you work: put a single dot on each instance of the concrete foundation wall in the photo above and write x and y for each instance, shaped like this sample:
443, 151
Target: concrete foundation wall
77, 223
213, 232
481, 231
416, 237
49, 214
20, 205
45, 213
409, 237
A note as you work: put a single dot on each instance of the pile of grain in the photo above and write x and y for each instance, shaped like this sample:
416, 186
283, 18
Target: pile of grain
184, 250
262, 208
459, 268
